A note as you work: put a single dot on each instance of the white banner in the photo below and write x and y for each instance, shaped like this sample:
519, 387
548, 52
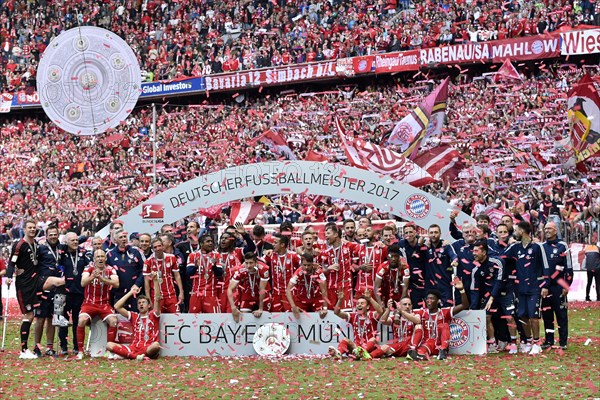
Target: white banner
580, 42
219, 335
287, 177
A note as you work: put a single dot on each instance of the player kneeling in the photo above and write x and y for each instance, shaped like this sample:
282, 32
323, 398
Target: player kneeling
146, 325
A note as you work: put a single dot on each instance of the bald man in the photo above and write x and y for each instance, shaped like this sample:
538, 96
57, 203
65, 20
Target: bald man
558, 281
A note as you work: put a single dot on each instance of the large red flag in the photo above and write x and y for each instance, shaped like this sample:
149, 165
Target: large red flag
367, 155
508, 71
276, 143
410, 131
442, 162
244, 211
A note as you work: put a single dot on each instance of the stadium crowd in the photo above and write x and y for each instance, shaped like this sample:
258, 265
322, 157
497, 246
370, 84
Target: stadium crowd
351, 269
175, 39
81, 183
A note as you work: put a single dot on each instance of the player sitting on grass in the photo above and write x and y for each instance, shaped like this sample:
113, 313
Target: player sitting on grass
364, 324
146, 325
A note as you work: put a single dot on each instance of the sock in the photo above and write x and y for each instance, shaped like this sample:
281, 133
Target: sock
491, 341
25, 326
49, 346
513, 339
343, 346
80, 337
111, 334
377, 353
122, 351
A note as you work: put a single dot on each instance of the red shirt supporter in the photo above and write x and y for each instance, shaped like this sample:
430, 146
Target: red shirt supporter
251, 280
206, 274
167, 269
310, 287
336, 262
436, 323
97, 280
282, 264
368, 258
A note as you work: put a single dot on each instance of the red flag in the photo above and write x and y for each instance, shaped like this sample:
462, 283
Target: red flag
378, 159
212, 212
244, 211
508, 71
312, 155
584, 119
276, 143
442, 162
409, 131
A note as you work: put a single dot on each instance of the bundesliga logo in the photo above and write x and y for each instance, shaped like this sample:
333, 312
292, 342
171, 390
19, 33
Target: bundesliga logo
417, 206
459, 333
153, 211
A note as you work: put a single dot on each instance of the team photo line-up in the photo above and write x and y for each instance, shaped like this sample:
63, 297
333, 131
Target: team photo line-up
416, 283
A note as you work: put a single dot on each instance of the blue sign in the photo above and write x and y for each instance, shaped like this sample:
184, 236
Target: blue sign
183, 86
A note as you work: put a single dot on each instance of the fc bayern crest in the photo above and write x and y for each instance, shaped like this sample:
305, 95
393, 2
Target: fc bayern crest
459, 333
417, 206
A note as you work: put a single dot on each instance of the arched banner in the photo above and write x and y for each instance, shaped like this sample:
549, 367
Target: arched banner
289, 177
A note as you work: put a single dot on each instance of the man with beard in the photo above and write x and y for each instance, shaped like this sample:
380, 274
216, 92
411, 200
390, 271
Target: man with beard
282, 264
407, 329
336, 262
205, 273
558, 281
391, 281
228, 257
369, 255
49, 311
440, 265
349, 230
436, 322
23, 263
411, 244
74, 260
364, 326
167, 269
252, 279
311, 288
532, 273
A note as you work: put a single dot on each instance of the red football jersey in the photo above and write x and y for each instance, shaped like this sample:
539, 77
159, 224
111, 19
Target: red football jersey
282, 268
307, 283
363, 326
164, 268
341, 255
249, 283
204, 281
373, 255
145, 329
98, 292
391, 280
430, 321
